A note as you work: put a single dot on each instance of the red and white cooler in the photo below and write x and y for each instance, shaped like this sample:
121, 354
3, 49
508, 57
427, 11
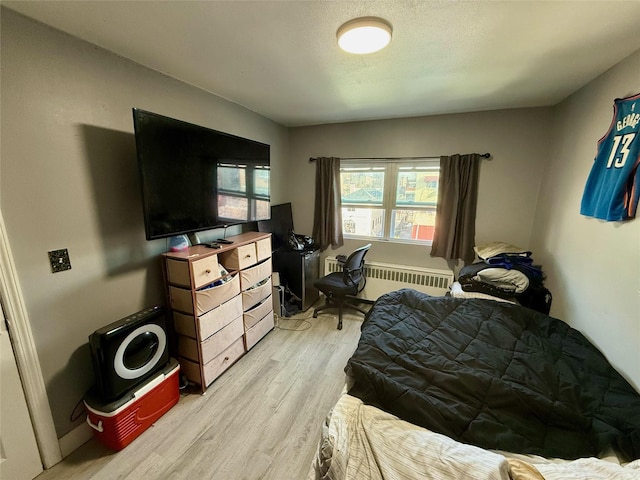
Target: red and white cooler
118, 423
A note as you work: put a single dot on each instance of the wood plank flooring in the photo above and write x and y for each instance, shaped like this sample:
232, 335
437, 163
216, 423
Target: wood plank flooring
260, 420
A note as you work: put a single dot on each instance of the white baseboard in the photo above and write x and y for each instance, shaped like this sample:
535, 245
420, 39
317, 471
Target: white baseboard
75, 439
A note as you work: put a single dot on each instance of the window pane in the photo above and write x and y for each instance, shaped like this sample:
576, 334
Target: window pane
231, 178
365, 222
261, 182
362, 186
263, 209
233, 207
417, 186
413, 224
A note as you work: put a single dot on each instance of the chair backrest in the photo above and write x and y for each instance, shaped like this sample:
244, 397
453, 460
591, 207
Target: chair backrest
353, 269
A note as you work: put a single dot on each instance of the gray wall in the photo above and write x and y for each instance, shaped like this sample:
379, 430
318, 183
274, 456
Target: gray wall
529, 195
594, 265
509, 182
69, 180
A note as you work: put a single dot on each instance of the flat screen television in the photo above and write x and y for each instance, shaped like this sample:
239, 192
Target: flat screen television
194, 178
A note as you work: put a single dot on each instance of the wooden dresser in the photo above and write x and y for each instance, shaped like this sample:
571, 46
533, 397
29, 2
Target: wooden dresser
218, 317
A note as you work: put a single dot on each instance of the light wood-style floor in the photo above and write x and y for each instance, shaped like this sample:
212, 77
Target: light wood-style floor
260, 420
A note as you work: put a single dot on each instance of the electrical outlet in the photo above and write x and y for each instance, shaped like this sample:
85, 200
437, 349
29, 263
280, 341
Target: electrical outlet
59, 260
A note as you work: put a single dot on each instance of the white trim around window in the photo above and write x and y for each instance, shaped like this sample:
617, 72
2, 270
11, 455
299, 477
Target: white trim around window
391, 200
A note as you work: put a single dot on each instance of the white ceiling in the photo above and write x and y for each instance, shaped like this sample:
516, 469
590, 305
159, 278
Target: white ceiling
280, 58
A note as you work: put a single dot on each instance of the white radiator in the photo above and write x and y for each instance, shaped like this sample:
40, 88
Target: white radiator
384, 278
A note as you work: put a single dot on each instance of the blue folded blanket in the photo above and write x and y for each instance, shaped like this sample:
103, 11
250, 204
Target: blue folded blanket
523, 264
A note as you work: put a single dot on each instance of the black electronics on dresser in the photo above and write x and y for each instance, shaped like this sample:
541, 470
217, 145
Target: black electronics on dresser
127, 352
295, 257
279, 225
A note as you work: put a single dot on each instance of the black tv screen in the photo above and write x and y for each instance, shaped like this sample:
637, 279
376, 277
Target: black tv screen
194, 178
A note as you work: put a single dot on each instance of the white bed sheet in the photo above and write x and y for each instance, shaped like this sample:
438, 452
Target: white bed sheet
456, 291
361, 442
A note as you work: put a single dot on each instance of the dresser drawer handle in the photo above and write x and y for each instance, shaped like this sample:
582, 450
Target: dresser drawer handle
248, 255
207, 271
226, 359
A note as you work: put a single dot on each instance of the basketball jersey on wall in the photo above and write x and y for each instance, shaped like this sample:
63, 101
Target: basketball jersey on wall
613, 186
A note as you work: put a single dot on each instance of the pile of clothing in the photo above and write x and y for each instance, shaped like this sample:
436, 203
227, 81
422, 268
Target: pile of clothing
506, 272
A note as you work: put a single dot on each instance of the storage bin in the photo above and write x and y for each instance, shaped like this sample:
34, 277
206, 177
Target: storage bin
212, 346
263, 249
205, 270
242, 257
255, 295
205, 300
209, 323
255, 314
250, 276
215, 367
258, 331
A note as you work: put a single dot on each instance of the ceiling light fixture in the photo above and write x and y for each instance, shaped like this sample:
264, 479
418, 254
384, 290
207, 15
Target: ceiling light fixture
364, 35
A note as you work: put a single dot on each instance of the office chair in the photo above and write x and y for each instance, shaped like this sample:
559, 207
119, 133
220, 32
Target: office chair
341, 287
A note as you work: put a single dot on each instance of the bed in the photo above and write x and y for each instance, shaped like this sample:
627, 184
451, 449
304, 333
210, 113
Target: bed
443, 387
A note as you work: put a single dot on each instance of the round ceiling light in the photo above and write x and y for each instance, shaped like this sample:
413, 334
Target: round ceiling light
364, 35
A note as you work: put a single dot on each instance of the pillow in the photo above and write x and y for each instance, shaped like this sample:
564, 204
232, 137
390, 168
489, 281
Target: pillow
492, 249
457, 292
512, 280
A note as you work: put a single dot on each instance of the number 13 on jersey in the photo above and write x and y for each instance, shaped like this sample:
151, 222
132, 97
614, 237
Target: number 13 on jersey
620, 150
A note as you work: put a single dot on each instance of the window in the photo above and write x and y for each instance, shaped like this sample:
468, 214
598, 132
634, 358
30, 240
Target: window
243, 191
390, 199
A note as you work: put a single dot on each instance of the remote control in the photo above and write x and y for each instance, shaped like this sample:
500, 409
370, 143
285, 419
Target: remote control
213, 245
224, 241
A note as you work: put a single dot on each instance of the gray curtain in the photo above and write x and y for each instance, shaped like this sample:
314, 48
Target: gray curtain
327, 220
455, 230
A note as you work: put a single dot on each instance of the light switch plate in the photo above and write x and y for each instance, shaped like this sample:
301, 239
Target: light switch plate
59, 260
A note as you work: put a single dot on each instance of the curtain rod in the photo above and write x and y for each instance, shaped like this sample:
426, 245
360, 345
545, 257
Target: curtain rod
482, 155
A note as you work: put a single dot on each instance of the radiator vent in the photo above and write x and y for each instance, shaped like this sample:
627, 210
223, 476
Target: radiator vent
384, 278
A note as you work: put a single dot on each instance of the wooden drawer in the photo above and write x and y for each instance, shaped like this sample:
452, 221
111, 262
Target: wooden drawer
242, 257
212, 346
251, 276
255, 295
215, 367
205, 300
258, 331
263, 249
254, 315
206, 325
205, 270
